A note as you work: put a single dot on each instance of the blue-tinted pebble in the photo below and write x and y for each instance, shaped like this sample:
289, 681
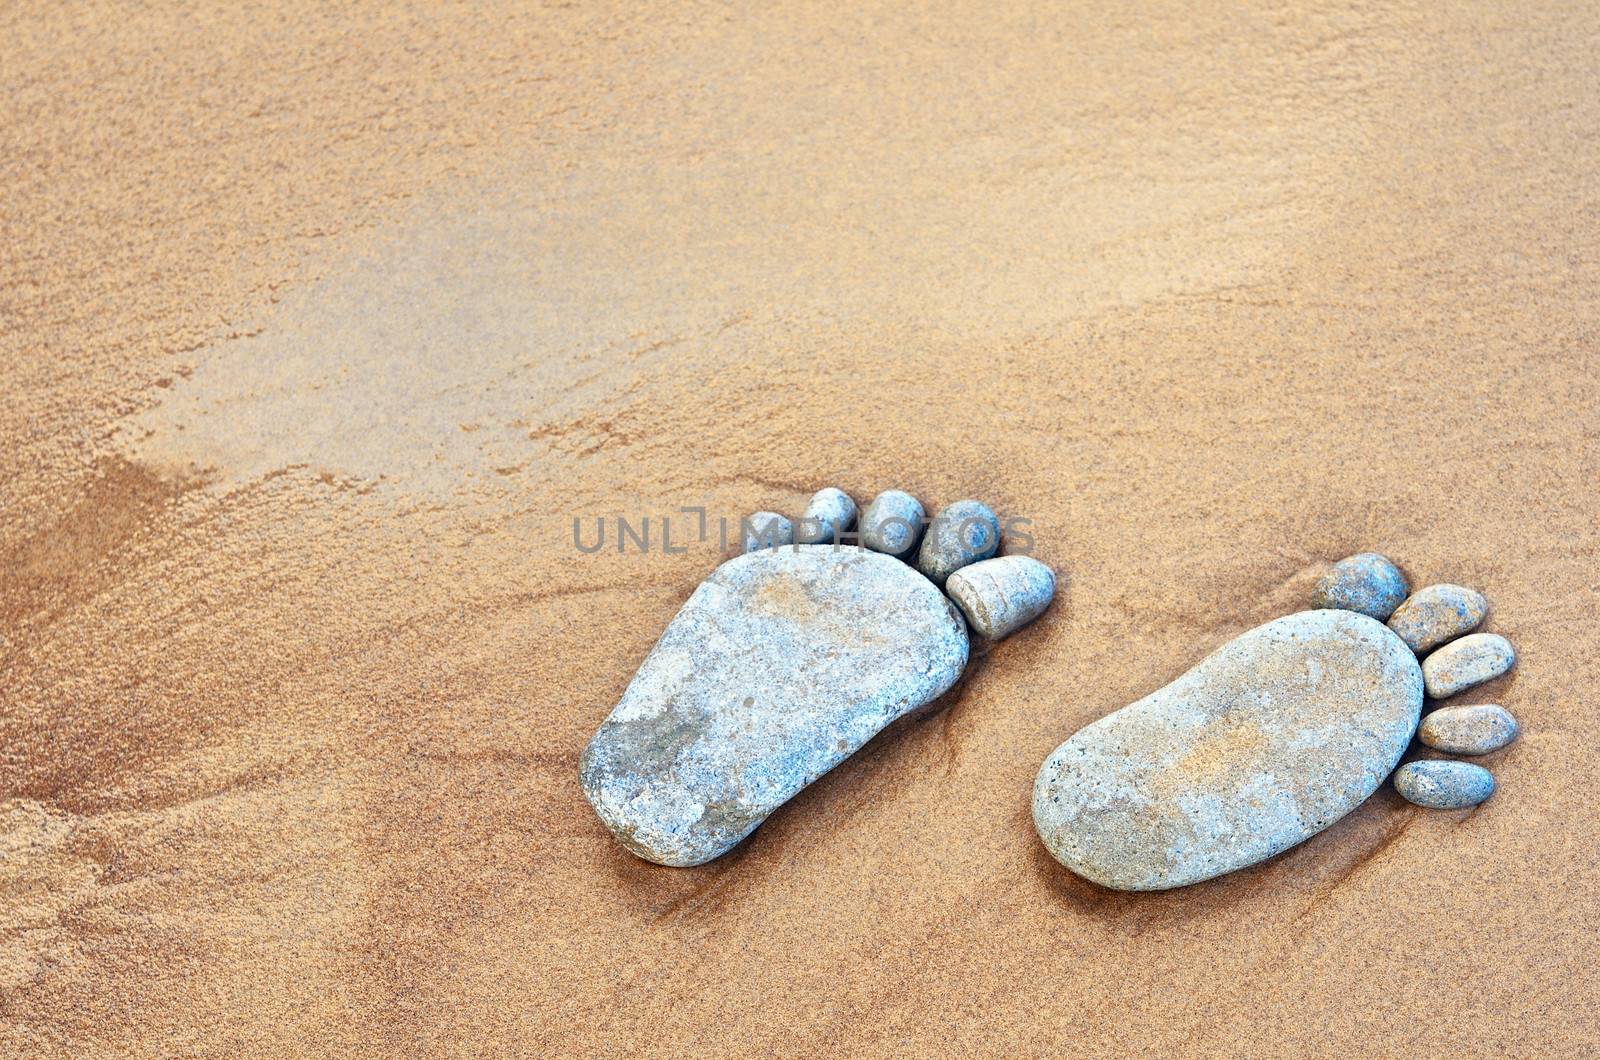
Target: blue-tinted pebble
1366, 583
892, 523
766, 530
963, 533
1442, 785
830, 514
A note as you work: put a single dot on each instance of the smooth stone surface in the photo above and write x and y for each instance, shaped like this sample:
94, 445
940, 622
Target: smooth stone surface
1431, 616
1365, 583
1440, 785
965, 532
780, 666
1474, 730
999, 596
829, 514
766, 530
892, 523
1267, 741
1466, 663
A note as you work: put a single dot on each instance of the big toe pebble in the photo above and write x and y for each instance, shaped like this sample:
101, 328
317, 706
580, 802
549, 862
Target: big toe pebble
781, 665
999, 596
1474, 730
1440, 785
1431, 616
963, 533
892, 523
1273, 737
1465, 663
1366, 583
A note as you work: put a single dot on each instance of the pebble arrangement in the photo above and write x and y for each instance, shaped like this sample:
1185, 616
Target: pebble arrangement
1437, 623
1279, 733
791, 656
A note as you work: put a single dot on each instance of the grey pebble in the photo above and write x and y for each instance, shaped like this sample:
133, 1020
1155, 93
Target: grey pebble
1431, 616
963, 533
1474, 730
1465, 663
779, 667
766, 530
892, 523
1443, 785
830, 513
999, 596
1366, 583
1264, 743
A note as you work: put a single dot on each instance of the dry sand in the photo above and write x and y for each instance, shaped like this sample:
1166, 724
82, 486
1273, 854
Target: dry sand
317, 330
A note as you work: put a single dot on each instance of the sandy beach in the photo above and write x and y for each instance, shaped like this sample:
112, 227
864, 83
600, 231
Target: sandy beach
319, 329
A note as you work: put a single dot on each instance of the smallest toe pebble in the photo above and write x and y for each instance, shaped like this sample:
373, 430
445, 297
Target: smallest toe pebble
1431, 616
892, 523
963, 533
1467, 662
830, 513
1443, 785
1474, 730
1366, 583
999, 596
767, 530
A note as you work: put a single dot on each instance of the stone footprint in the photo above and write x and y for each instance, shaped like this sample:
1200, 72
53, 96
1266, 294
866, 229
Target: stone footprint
1270, 739
789, 658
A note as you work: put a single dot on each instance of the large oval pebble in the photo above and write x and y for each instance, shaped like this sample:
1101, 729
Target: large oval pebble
1442, 785
1466, 663
1474, 730
1366, 583
1269, 740
781, 665
1431, 616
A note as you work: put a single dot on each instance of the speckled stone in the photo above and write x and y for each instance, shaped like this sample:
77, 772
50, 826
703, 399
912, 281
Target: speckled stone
1440, 785
1474, 730
1269, 740
892, 523
766, 530
830, 513
1365, 583
963, 533
999, 596
780, 666
1431, 616
1466, 663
